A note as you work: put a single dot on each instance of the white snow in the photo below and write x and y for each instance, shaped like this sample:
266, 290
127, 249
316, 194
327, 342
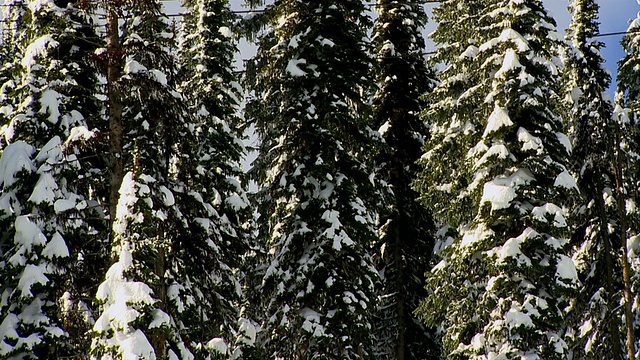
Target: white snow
248, 330
45, 190
502, 190
529, 142
499, 118
133, 67
507, 35
566, 180
511, 248
225, 31
160, 318
49, 151
56, 247
15, 158
31, 275
540, 213
478, 233
135, 346
335, 231
167, 195
567, 269
218, 345
158, 76
565, 141
293, 69
509, 63
516, 318
499, 150
37, 48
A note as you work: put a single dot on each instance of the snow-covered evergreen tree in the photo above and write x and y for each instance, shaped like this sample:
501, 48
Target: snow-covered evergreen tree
138, 303
210, 166
177, 232
628, 162
595, 315
501, 287
317, 191
407, 226
46, 99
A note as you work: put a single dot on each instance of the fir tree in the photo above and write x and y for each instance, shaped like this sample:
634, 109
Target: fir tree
317, 193
502, 285
407, 233
627, 165
210, 162
596, 322
44, 208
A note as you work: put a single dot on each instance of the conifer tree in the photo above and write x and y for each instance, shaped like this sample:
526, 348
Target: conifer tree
407, 232
46, 99
501, 287
211, 158
594, 315
317, 194
138, 297
627, 165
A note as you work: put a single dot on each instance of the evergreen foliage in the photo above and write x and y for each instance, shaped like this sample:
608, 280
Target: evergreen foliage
502, 285
595, 320
407, 232
628, 145
317, 192
43, 206
210, 162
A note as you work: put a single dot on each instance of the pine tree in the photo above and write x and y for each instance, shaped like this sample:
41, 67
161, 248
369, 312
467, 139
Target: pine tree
627, 165
46, 101
138, 297
594, 133
211, 161
501, 287
316, 189
407, 232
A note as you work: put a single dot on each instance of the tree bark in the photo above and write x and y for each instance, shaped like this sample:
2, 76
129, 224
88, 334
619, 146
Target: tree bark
114, 66
606, 240
618, 165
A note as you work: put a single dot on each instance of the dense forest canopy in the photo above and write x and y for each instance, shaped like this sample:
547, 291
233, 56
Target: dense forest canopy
471, 199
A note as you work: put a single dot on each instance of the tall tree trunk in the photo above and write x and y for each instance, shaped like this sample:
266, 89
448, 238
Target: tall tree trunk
114, 66
624, 229
398, 259
606, 240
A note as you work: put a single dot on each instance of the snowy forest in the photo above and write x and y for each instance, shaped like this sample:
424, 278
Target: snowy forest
474, 200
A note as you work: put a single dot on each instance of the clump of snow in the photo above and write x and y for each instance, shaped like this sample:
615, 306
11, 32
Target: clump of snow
158, 76
335, 231
540, 213
566, 270
16, 157
225, 31
131, 66
56, 247
509, 63
38, 48
311, 322
507, 35
566, 180
218, 345
50, 103
499, 118
565, 141
529, 142
248, 332
502, 190
45, 190
293, 69
511, 248
478, 233
32, 274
